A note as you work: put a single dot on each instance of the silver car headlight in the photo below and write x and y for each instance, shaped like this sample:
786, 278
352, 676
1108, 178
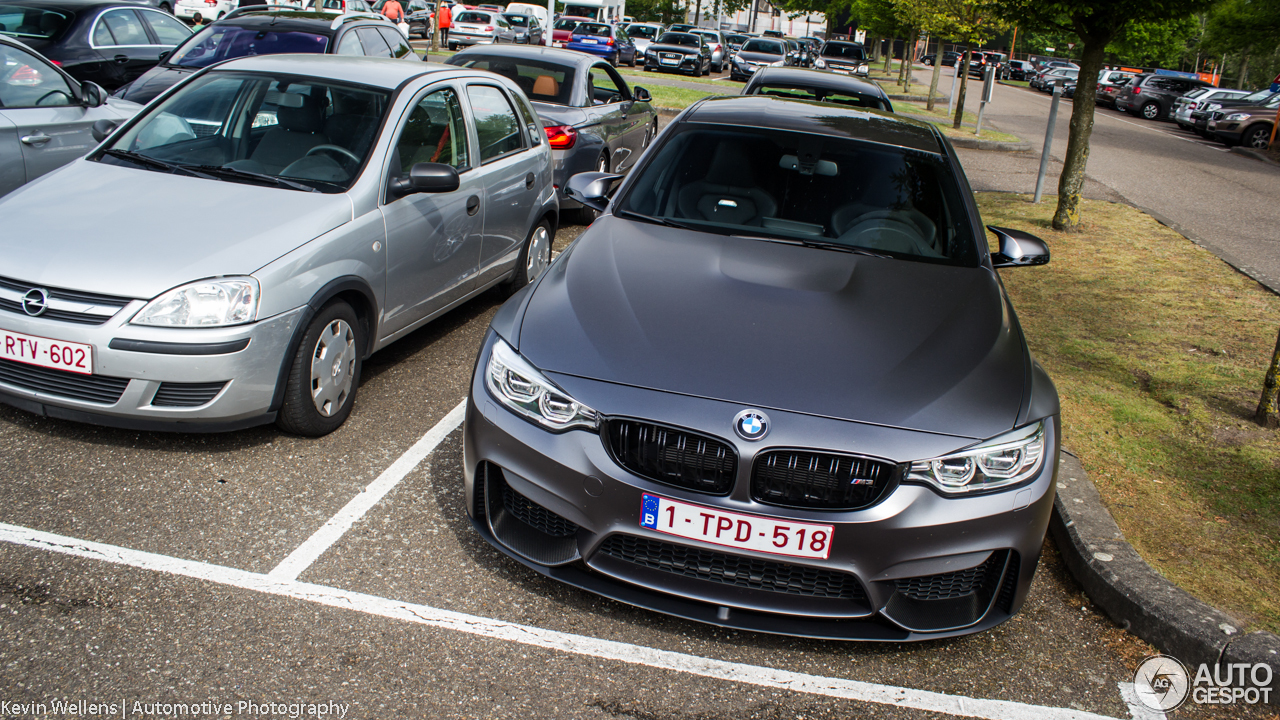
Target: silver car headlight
999, 462
217, 302
819, 63
526, 392
780, 63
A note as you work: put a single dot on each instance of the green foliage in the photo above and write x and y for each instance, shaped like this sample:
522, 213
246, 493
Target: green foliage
663, 11
1157, 43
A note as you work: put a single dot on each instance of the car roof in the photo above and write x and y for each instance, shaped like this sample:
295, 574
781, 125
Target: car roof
819, 78
79, 5
818, 118
533, 52
378, 72
314, 21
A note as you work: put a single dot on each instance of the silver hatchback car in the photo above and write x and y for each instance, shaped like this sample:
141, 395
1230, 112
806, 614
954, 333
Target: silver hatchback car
240, 246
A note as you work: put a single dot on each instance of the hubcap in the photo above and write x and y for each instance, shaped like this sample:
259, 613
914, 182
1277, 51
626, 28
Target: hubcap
1150, 111
539, 253
333, 366
1260, 140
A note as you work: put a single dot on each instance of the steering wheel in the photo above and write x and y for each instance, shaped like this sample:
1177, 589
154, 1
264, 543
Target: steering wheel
338, 149
886, 230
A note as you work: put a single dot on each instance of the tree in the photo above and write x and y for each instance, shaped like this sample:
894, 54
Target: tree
970, 22
1097, 23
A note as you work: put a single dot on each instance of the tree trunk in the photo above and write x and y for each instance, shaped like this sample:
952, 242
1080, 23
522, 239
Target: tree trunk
888, 57
902, 64
962, 67
1266, 415
1070, 183
1244, 70
937, 73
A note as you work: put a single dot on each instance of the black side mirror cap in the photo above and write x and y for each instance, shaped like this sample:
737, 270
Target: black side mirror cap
427, 177
1018, 249
591, 189
103, 128
165, 55
92, 94
641, 94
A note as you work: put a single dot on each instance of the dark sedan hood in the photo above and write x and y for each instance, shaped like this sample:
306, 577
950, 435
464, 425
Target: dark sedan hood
667, 47
891, 342
759, 57
155, 81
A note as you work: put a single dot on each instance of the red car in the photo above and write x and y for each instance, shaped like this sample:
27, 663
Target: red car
562, 31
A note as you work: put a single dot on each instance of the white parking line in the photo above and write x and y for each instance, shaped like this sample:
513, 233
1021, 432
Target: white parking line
957, 705
324, 538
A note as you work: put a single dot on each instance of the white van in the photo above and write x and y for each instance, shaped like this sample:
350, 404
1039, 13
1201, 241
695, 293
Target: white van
538, 11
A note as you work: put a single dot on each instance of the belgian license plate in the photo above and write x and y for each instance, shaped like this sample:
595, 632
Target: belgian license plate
735, 530
588, 41
557, 44
670, 61
57, 354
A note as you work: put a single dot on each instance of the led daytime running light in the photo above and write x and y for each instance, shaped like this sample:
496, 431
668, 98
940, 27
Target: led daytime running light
1000, 462
522, 389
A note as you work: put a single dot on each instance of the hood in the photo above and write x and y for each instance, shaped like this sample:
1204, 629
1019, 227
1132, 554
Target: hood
759, 57
135, 233
891, 342
667, 47
155, 81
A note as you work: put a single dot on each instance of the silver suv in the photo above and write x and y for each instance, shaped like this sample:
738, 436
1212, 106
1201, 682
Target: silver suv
230, 256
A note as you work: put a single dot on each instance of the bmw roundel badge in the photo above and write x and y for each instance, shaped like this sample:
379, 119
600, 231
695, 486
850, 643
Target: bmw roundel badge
751, 424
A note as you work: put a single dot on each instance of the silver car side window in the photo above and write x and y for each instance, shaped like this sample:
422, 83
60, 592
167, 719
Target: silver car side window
496, 123
28, 82
606, 85
350, 45
435, 132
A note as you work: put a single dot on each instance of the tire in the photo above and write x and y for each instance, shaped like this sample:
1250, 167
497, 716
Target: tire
1256, 137
1150, 110
453, 47
320, 391
717, 69
613, 61
166, 8
633, 60
706, 71
535, 256
586, 215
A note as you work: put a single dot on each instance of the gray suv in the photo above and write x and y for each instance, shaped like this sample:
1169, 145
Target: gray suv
239, 247
1153, 96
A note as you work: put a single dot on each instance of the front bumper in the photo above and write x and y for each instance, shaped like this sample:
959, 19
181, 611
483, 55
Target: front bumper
912, 535
147, 378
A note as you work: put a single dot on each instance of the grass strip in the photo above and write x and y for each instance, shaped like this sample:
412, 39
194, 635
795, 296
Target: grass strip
1159, 349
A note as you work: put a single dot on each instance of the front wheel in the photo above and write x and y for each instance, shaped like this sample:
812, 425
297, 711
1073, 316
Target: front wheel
1257, 137
1150, 111
325, 373
534, 259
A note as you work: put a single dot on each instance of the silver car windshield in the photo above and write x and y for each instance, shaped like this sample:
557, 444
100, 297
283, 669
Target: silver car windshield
299, 133
816, 190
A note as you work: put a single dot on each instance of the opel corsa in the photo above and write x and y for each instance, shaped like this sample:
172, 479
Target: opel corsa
777, 386
238, 248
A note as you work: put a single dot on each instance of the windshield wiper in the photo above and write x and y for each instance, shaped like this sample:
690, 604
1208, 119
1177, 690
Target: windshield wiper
820, 244
226, 172
148, 161
655, 220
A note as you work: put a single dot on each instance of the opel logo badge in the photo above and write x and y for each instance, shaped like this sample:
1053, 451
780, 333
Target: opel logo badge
35, 302
751, 424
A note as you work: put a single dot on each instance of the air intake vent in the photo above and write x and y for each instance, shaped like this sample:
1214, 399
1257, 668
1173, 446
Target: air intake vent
74, 386
187, 394
672, 456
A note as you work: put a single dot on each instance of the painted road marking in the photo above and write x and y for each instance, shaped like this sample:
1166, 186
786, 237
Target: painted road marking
337, 526
957, 705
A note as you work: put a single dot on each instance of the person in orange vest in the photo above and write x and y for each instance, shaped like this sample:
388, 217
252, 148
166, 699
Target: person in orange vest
444, 20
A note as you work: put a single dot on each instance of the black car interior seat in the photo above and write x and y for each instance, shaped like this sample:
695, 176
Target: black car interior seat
728, 192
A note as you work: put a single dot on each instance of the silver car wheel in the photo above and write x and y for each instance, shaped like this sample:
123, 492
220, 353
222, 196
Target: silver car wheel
539, 253
333, 365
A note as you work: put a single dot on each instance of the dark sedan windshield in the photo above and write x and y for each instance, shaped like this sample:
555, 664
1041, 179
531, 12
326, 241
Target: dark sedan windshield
594, 29
643, 32
680, 39
542, 81
769, 47
846, 51
518, 20
29, 22
823, 191
821, 94
223, 42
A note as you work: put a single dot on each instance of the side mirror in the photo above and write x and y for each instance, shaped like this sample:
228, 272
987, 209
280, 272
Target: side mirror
641, 94
590, 189
165, 55
92, 94
426, 177
102, 128
1018, 249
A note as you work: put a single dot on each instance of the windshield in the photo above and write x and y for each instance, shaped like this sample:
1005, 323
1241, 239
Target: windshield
771, 47
596, 29
843, 50
680, 39
819, 94
21, 21
710, 37
223, 42
1258, 96
737, 39
541, 80
805, 188
642, 32
314, 134
518, 20
566, 24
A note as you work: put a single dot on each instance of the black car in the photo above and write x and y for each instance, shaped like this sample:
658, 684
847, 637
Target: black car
757, 53
949, 58
272, 32
778, 386
679, 52
846, 58
1151, 96
108, 43
815, 85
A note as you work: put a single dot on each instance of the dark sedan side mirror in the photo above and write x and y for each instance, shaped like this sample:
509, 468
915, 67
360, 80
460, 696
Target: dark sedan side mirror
92, 94
1018, 249
165, 55
590, 189
426, 177
102, 128
640, 94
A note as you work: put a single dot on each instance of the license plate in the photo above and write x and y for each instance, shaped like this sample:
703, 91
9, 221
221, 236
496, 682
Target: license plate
735, 530
665, 61
56, 354
588, 41
557, 44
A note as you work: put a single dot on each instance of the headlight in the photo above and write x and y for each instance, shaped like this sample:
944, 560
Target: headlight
208, 303
526, 392
780, 63
999, 462
819, 63
1238, 117
862, 69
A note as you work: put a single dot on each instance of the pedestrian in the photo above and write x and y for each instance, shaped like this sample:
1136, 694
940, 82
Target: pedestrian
393, 11
198, 23
444, 21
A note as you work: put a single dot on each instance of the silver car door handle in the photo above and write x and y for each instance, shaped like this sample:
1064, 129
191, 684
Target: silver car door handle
38, 139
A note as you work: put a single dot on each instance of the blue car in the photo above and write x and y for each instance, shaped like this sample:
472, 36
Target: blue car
604, 41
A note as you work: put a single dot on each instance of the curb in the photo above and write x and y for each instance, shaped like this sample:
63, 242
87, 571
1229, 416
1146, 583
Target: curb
1248, 152
1138, 598
980, 144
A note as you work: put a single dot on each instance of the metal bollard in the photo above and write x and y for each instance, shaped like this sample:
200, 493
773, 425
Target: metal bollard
951, 101
1048, 141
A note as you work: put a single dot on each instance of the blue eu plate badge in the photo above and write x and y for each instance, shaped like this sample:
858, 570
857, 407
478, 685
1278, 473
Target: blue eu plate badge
649, 511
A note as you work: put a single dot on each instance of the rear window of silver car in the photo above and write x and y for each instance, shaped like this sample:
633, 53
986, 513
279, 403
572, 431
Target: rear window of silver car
754, 183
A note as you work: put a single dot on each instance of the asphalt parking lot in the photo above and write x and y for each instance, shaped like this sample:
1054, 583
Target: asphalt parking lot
158, 572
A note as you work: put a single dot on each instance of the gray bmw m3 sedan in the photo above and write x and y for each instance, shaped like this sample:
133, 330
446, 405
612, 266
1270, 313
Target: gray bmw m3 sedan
777, 386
